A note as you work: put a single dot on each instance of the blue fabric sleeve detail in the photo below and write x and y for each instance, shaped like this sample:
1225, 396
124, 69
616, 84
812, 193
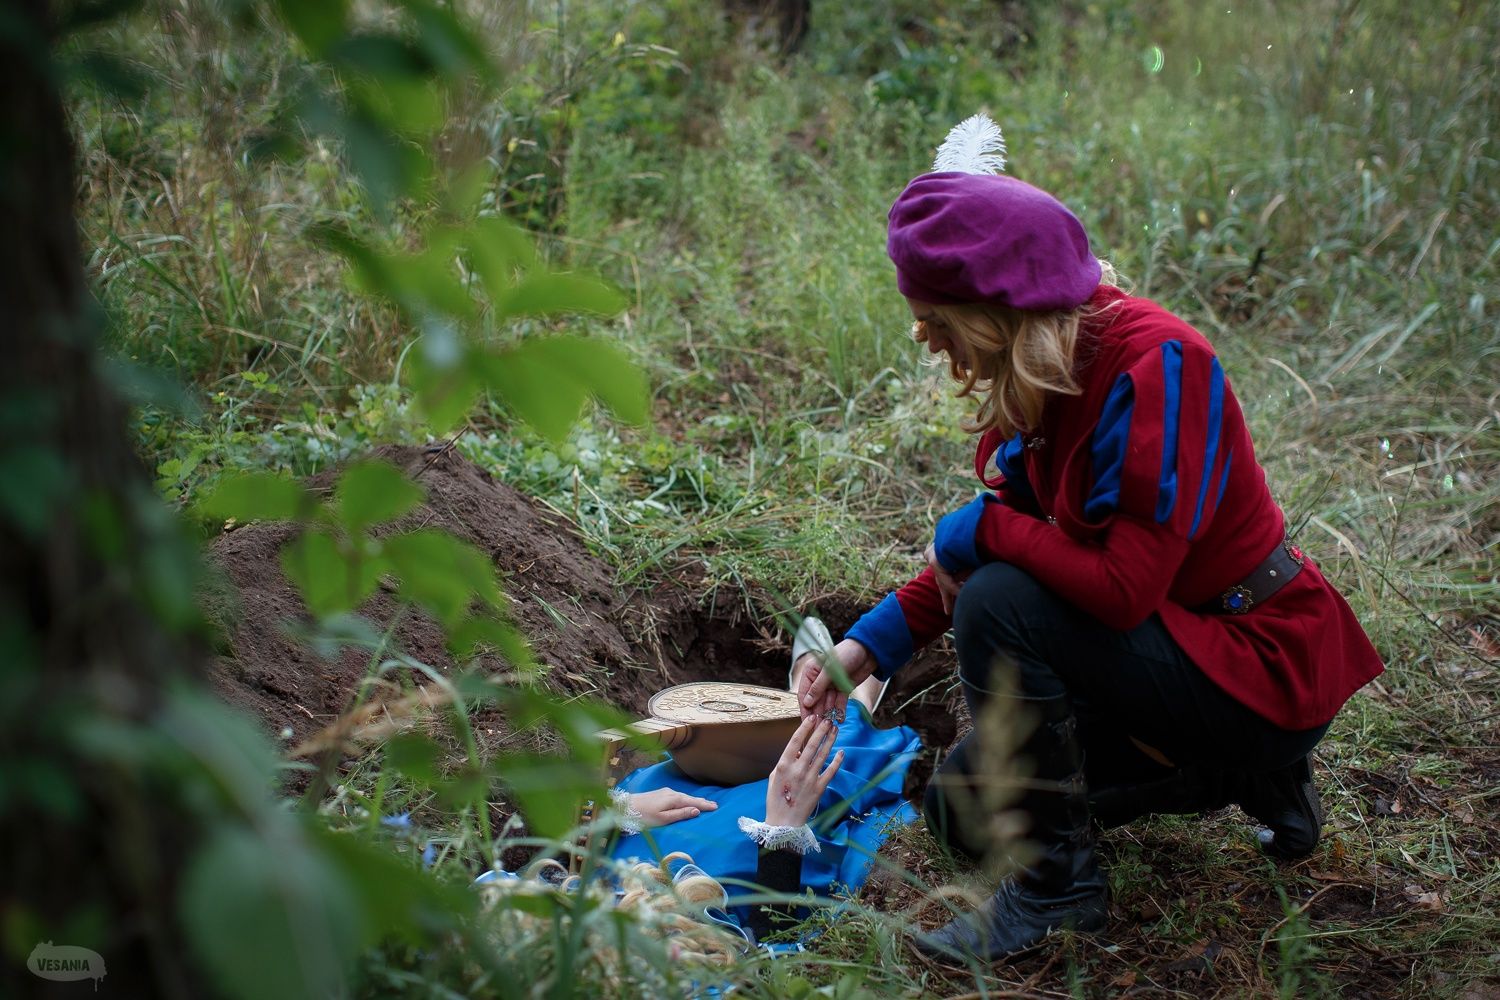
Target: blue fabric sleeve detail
883, 632
1211, 448
1166, 490
1224, 478
1010, 460
1111, 434
954, 539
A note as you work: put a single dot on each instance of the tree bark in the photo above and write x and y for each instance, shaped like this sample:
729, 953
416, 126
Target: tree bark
90, 566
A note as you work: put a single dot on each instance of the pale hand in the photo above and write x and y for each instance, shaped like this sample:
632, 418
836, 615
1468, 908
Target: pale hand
948, 584
818, 694
661, 806
799, 778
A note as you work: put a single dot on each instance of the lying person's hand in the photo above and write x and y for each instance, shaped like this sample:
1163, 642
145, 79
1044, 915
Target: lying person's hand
661, 806
819, 695
799, 778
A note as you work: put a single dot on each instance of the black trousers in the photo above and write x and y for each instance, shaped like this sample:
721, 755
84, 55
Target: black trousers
1121, 684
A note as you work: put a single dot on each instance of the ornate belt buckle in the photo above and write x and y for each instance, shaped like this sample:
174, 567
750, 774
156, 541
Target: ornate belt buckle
1237, 600
1293, 551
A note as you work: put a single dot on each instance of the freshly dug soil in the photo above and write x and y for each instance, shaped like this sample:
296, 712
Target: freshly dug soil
619, 646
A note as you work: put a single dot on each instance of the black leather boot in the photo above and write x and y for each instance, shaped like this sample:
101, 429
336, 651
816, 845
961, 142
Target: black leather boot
951, 806
1286, 801
1063, 886
1183, 792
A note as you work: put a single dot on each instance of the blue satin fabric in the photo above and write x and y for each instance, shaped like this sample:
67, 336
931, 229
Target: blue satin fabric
856, 814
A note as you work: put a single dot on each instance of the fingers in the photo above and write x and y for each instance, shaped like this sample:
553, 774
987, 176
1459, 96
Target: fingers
821, 743
797, 742
947, 586
794, 745
830, 771
801, 668
807, 750
816, 682
838, 705
799, 747
684, 800
678, 813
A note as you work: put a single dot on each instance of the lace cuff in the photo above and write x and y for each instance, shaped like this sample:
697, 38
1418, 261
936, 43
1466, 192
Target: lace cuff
630, 816
799, 839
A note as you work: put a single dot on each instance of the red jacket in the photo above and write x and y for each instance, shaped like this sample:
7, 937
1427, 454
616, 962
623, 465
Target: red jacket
1142, 496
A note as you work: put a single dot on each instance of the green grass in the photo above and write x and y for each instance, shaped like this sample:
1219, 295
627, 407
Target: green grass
1314, 186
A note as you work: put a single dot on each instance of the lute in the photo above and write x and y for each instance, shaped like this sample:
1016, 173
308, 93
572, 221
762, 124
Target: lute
717, 733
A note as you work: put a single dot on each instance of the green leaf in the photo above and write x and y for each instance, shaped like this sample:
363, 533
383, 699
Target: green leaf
44, 784
408, 105
395, 896
604, 369
546, 293
389, 165
415, 756
111, 74
215, 747
472, 635
328, 637
467, 787
445, 378
460, 199
332, 578
577, 719
372, 271
441, 573
317, 23
546, 396
550, 790
547, 380
451, 47
431, 278
374, 492
268, 916
33, 480
497, 249
378, 54
257, 496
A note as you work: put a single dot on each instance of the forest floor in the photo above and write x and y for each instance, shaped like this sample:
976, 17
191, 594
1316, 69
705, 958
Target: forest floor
1196, 909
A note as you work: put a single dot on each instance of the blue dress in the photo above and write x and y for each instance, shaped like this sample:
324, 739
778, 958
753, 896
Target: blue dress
857, 812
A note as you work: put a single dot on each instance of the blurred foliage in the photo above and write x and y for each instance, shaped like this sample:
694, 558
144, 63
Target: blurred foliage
277, 902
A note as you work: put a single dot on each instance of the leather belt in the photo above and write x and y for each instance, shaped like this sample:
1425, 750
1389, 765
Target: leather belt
1274, 572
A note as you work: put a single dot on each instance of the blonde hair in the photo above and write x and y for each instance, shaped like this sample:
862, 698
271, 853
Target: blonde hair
671, 910
1014, 357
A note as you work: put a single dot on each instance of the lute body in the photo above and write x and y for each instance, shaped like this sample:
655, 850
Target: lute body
717, 733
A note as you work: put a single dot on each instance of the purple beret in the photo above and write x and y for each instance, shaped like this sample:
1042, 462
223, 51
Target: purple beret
989, 238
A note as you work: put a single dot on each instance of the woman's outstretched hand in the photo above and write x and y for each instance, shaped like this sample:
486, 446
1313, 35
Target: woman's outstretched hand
799, 778
817, 693
661, 806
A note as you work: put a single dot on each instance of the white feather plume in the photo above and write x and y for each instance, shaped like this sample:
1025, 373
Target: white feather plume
974, 146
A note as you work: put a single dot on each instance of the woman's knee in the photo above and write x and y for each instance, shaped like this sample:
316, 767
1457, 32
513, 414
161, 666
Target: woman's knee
994, 607
995, 595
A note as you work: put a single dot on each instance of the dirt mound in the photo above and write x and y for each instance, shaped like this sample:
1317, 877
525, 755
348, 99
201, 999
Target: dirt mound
596, 639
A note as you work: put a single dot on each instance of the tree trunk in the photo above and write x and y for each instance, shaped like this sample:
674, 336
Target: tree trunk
95, 583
